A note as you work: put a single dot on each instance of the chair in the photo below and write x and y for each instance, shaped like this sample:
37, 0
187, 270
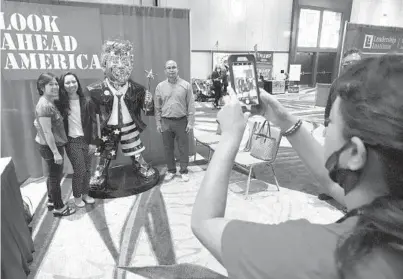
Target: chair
247, 162
206, 139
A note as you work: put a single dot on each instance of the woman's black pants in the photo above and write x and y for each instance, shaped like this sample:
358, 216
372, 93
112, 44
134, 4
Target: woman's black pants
55, 175
217, 94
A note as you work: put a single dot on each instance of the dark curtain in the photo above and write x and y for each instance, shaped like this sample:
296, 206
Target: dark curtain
157, 34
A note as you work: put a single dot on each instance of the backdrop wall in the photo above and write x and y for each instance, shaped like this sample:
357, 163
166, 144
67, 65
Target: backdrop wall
237, 25
157, 34
383, 12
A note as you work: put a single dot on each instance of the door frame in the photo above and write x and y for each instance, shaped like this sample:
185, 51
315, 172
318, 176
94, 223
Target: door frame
311, 70
334, 62
345, 15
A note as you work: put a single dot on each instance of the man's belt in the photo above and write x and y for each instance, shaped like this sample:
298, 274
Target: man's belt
174, 118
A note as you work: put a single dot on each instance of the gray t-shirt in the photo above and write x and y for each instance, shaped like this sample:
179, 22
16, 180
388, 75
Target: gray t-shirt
44, 108
299, 250
293, 249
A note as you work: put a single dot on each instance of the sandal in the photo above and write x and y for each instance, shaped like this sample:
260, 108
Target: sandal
66, 212
50, 206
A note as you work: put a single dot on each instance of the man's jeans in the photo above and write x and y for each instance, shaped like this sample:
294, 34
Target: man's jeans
175, 129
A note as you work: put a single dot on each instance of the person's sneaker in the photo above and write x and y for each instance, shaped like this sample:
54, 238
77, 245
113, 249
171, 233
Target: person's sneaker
185, 177
88, 199
79, 202
50, 206
169, 176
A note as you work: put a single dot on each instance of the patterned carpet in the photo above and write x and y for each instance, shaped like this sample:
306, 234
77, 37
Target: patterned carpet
145, 233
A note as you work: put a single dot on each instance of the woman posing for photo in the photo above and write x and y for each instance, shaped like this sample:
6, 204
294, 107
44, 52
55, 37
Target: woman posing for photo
51, 138
75, 109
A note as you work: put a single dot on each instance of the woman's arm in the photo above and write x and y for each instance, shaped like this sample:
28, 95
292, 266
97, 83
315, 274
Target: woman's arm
208, 224
312, 154
307, 147
209, 208
46, 125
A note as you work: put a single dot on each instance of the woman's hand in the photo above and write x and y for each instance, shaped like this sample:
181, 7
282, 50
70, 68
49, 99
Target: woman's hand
231, 118
91, 149
58, 158
148, 97
275, 112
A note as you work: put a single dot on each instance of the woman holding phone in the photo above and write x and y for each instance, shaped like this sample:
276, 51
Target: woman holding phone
363, 154
51, 139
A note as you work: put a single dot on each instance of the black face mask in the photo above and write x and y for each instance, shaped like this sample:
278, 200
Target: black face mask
346, 178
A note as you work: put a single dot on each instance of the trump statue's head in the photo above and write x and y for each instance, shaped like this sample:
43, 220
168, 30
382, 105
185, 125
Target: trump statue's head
117, 60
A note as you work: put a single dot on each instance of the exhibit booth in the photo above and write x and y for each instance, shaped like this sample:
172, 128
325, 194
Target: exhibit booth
49, 36
370, 40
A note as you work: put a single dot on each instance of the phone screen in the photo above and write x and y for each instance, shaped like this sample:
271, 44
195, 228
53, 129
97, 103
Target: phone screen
245, 82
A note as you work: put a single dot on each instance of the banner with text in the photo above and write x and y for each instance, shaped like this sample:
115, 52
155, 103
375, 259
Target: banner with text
36, 38
264, 64
373, 40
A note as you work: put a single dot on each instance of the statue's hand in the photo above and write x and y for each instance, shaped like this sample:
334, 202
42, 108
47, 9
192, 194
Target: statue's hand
148, 97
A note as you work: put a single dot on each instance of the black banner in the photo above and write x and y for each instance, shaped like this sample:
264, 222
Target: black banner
371, 39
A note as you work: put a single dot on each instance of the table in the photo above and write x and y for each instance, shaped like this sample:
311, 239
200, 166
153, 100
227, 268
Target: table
276, 87
16, 242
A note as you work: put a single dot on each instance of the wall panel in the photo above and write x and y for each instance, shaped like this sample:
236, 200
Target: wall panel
183, 4
280, 62
383, 12
201, 64
238, 24
116, 2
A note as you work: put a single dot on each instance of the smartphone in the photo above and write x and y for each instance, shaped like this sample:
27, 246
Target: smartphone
243, 75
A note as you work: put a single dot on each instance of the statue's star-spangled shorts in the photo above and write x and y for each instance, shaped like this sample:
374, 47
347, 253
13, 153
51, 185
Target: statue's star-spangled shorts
128, 136
130, 140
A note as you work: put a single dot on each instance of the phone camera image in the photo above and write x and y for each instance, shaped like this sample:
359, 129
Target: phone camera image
245, 83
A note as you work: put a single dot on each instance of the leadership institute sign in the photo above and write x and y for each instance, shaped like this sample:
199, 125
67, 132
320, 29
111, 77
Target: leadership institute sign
38, 38
374, 39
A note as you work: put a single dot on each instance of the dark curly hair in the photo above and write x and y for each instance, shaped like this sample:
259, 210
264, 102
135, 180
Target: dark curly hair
63, 104
371, 106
